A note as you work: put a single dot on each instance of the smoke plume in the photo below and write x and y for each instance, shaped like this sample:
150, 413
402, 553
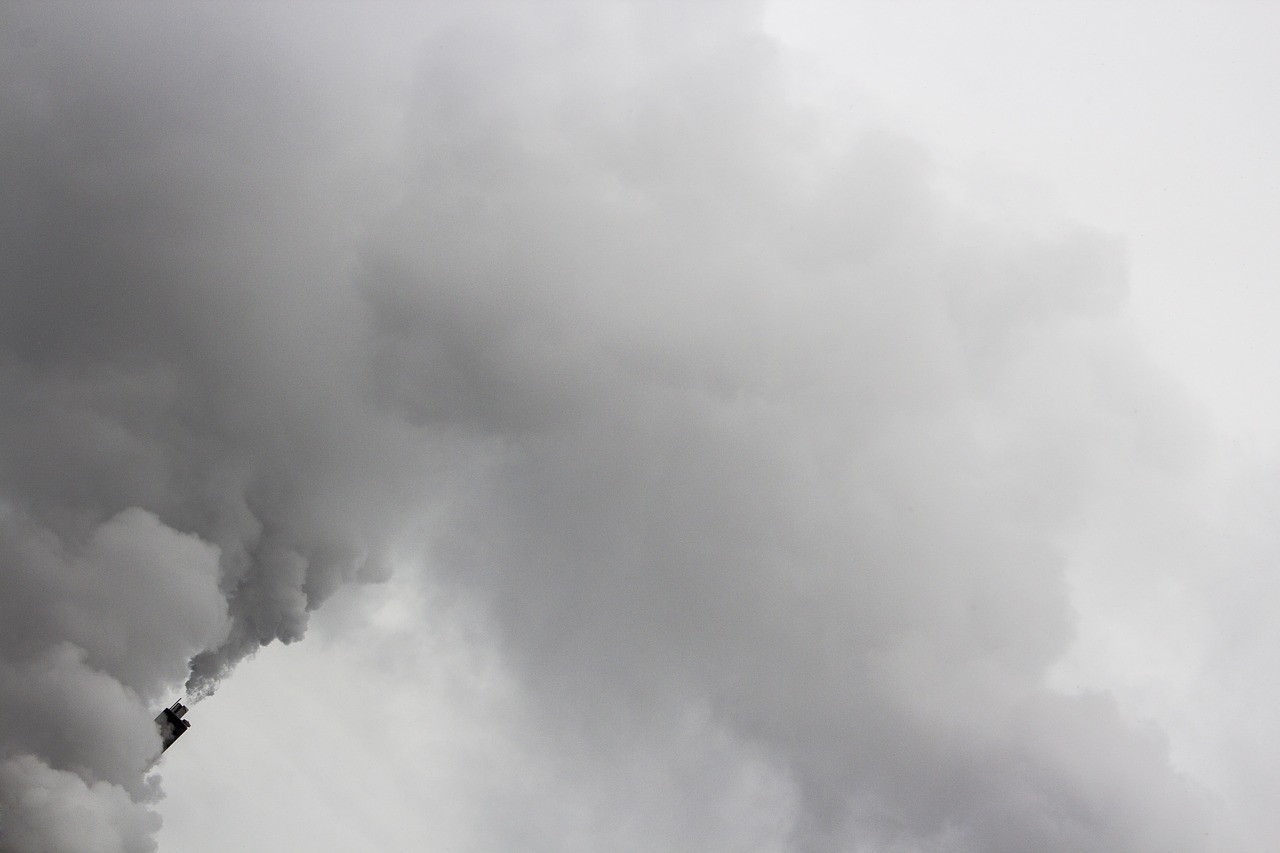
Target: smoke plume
713, 402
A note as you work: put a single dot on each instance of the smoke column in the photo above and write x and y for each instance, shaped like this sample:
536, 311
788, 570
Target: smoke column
713, 402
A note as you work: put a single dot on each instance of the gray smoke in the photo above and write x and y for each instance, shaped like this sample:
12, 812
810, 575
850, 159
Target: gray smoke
188, 469
711, 404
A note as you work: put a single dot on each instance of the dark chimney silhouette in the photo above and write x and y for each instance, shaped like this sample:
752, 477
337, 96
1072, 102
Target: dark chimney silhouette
171, 724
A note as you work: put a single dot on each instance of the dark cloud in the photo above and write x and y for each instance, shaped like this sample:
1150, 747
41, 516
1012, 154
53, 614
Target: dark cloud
710, 403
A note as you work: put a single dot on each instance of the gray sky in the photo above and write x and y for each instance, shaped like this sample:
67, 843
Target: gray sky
725, 427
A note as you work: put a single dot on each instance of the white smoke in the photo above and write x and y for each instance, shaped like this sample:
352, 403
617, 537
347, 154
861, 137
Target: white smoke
709, 401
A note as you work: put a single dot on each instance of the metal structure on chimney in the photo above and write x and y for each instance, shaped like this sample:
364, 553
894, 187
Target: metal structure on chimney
171, 724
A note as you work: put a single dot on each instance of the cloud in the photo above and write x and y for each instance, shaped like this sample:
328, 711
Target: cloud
186, 471
723, 412
803, 450
52, 810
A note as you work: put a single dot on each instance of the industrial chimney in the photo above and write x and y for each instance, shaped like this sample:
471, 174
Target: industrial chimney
171, 724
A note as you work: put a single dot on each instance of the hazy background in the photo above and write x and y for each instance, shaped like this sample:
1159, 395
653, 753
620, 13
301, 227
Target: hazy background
709, 427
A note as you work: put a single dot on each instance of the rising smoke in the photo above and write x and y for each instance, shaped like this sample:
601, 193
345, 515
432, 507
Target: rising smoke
711, 401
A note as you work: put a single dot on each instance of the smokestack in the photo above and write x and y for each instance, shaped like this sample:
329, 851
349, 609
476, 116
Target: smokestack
171, 724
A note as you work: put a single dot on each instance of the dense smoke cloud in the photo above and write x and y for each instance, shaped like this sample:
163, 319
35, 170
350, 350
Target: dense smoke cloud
186, 471
712, 404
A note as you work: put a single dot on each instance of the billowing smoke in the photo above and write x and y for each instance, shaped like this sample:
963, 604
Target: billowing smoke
188, 469
712, 403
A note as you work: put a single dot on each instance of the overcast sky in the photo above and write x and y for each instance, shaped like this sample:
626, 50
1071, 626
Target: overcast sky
718, 427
